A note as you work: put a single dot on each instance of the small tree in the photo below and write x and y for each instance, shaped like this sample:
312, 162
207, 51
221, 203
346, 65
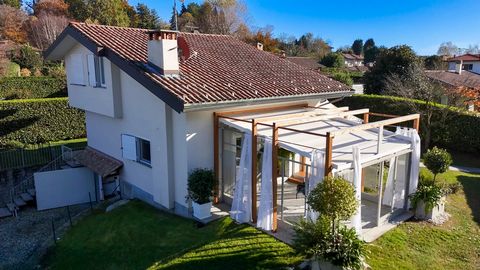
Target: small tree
326, 238
200, 185
334, 60
437, 161
335, 199
357, 47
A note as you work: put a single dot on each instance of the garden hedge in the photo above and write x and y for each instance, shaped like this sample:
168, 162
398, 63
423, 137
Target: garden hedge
39, 121
460, 131
32, 87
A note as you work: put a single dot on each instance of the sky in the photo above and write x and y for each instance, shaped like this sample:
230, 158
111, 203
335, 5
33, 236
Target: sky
422, 24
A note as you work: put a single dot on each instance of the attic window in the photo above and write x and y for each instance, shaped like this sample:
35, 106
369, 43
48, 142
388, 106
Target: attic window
96, 71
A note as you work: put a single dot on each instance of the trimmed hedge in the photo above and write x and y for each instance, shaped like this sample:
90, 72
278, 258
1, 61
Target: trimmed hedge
32, 87
39, 121
459, 132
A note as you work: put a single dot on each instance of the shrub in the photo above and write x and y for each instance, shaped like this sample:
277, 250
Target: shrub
343, 77
334, 60
27, 57
25, 72
200, 185
32, 87
437, 161
429, 193
326, 238
315, 239
39, 121
12, 69
451, 134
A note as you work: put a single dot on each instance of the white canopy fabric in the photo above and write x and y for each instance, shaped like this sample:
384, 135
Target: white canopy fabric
388, 194
316, 177
303, 144
265, 209
242, 199
415, 164
357, 183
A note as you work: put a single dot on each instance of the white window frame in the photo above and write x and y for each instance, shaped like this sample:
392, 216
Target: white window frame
132, 149
96, 71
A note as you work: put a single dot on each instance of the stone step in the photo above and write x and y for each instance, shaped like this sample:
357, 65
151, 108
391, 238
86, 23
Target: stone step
4, 212
32, 192
11, 207
19, 202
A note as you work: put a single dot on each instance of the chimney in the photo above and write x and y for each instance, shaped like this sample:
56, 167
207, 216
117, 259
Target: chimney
260, 46
163, 51
459, 67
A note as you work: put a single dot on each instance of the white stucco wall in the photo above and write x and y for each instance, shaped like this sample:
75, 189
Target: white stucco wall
144, 116
64, 187
102, 100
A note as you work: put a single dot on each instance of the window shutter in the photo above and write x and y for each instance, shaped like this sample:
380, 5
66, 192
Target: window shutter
91, 70
75, 69
129, 147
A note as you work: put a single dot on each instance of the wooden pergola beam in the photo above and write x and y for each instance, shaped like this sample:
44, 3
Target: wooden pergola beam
321, 117
265, 109
254, 171
316, 111
274, 175
377, 124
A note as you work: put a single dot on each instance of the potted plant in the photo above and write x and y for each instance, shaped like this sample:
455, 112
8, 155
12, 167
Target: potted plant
429, 199
329, 243
200, 190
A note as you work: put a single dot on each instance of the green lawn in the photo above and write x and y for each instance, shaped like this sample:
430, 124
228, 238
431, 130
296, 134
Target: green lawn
420, 245
137, 236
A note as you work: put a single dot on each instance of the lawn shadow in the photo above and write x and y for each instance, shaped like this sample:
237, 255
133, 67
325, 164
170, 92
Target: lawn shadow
471, 188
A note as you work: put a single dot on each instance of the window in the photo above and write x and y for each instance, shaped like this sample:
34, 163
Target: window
96, 72
143, 151
136, 149
467, 66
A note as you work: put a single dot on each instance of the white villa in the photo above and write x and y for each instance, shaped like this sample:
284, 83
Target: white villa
161, 103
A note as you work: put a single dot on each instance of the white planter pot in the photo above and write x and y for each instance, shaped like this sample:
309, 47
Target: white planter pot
202, 211
434, 214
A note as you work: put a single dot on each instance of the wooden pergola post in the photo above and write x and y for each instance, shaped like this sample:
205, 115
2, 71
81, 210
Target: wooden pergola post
274, 174
366, 117
328, 155
216, 164
254, 171
416, 124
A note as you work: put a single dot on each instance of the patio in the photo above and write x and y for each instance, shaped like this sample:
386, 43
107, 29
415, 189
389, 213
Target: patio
322, 141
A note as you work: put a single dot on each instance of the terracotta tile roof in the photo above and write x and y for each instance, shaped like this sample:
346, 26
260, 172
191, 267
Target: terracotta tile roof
466, 78
465, 57
351, 56
307, 62
99, 162
220, 68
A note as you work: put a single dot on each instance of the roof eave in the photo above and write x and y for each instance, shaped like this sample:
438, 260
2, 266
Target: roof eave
259, 101
69, 31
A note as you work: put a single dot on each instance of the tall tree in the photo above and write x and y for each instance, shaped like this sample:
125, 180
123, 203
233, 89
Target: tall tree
108, 12
51, 7
12, 3
370, 51
11, 23
357, 47
448, 49
174, 17
396, 60
45, 28
77, 9
146, 18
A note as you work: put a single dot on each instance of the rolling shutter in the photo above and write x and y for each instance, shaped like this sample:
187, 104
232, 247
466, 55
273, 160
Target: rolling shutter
129, 147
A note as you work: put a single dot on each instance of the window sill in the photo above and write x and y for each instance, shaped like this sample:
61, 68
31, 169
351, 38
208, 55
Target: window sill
144, 163
77, 84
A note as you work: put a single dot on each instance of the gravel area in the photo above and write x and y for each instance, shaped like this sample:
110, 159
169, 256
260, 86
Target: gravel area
24, 239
